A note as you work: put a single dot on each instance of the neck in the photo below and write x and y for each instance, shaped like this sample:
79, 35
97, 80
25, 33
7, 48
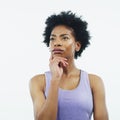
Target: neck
70, 68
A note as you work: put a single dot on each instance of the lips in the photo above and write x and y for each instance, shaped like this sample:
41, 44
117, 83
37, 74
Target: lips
57, 51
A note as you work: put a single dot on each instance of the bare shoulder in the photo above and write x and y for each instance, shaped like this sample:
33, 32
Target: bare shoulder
96, 82
37, 81
94, 77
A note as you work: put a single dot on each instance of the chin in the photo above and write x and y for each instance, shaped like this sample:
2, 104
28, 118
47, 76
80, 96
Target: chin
58, 55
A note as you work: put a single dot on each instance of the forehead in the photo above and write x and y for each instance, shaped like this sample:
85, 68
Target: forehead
62, 29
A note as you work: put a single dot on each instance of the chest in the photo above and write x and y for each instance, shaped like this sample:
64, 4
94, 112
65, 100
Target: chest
80, 96
70, 83
75, 103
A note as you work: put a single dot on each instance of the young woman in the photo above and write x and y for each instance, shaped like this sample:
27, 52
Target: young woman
66, 92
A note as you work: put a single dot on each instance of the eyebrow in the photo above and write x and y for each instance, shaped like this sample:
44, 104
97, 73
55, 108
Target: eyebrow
60, 35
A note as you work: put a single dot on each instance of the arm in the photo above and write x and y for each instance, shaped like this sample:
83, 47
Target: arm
44, 109
99, 110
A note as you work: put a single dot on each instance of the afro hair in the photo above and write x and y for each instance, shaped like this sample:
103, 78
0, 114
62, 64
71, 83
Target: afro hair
68, 19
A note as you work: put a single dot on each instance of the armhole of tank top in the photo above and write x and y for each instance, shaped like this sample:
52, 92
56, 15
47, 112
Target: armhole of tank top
46, 83
89, 83
45, 87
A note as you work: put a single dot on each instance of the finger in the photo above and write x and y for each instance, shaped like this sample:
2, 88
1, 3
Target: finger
62, 63
59, 60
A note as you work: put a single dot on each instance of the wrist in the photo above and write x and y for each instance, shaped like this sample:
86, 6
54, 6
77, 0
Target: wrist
55, 82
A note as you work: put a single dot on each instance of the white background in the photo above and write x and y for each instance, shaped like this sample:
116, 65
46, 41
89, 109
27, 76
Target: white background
23, 55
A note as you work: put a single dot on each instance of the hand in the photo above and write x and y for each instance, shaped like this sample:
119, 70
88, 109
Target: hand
56, 66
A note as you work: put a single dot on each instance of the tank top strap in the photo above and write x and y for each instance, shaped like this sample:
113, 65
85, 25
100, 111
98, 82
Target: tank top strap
47, 81
84, 81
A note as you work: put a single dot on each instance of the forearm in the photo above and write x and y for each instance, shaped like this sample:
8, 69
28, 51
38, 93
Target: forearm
103, 116
49, 109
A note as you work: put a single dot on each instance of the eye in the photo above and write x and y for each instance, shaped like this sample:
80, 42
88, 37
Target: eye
51, 39
65, 38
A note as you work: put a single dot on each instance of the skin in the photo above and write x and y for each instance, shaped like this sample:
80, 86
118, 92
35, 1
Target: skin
66, 76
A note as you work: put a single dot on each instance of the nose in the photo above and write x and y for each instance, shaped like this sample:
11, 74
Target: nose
58, 43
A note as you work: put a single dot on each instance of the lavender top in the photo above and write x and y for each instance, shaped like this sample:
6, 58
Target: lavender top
76, 104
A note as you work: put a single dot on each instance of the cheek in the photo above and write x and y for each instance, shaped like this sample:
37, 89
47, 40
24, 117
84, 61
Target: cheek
71, 48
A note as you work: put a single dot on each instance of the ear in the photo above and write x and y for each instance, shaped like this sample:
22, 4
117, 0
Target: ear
77, 46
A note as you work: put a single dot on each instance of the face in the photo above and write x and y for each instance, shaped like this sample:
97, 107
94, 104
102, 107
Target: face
62, 42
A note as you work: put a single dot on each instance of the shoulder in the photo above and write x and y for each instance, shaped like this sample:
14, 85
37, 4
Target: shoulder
94, 77
37, 81
96, 82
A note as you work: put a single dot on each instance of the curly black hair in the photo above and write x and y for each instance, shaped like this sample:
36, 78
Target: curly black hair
71, 20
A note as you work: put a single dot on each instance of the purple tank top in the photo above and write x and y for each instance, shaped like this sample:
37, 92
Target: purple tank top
76, 104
